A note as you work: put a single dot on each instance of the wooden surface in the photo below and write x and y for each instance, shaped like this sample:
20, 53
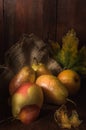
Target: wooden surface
45, 120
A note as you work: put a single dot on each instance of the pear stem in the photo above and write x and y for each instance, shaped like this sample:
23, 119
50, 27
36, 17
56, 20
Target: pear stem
71, 101
35, 61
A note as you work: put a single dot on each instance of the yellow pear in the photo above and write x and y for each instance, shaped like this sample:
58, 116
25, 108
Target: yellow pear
71, 80
54, 91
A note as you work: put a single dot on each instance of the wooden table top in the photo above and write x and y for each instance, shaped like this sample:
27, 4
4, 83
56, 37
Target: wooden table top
45, 121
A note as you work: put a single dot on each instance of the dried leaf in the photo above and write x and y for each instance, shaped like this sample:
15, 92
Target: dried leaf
74, 119
61, 117
64, 121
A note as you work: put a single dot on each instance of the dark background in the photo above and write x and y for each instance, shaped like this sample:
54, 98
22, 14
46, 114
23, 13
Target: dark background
48, 19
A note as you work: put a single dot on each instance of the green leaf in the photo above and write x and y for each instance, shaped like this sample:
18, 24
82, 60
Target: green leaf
80, 69
55, 46
81, 58
69, 50
69, 55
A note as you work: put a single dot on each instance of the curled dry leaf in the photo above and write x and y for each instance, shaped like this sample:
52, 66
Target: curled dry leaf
74, 119
63, 119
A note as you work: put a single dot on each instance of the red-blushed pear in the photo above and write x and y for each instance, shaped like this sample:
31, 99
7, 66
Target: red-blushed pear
26, 74
26, 94
28, 114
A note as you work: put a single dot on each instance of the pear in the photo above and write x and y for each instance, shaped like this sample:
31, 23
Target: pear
28, 114
26, 94
40, 69
71, 80
24, 75
54, 91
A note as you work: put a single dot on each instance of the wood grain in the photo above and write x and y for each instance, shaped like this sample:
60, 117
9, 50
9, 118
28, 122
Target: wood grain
29, 17
71, 14
9, 18
49, 19
46, 18
1, 30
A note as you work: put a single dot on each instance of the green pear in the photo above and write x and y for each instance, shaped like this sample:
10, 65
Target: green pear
40, 69
24, 75
54, 91
26, 94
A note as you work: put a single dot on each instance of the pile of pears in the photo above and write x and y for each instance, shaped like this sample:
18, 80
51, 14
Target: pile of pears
33, 86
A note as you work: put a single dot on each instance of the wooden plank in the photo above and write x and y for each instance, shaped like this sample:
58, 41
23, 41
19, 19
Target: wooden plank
46, 18
65, 16
1, 31
9, 18
71, 14
29, 17
21, 17
49, 19
80, 20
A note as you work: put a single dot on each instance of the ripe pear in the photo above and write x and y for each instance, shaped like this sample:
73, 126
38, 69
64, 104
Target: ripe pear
26, 94
71, 80
28, 114
24, 75
40, 69
54, 91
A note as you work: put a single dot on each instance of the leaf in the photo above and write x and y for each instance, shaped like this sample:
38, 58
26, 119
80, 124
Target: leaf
82, 56
68, 55
55, 46
80, 64
69, 50
80, 69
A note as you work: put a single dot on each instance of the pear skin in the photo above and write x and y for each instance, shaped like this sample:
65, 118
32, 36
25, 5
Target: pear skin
40, 69
28, 114
27, 94
54, 91
71, 80
24, 75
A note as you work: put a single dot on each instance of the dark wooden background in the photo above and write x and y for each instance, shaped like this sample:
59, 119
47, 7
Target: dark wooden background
48, 19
